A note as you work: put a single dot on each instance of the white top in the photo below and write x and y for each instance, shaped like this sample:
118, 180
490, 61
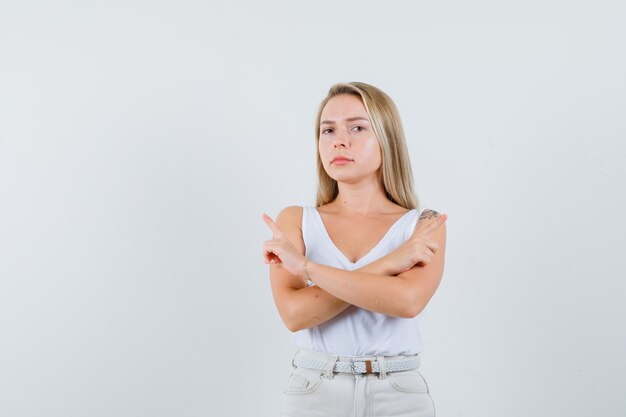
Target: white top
357, 331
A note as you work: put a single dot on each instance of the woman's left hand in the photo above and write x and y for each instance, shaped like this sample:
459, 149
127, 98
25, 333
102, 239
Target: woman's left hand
280, 250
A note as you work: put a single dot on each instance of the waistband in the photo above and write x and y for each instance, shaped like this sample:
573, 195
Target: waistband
366, 364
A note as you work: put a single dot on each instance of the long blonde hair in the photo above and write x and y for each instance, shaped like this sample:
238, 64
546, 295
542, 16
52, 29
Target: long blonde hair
395, 174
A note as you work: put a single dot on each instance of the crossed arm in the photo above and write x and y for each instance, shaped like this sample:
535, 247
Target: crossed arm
372, 287
301, 307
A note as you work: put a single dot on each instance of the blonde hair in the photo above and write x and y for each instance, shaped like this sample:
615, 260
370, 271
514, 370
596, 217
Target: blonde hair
395, 174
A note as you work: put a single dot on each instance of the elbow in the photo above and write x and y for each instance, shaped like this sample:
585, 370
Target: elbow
296, 325
411, 312
292, 321
413, 307
292, 325
297, 320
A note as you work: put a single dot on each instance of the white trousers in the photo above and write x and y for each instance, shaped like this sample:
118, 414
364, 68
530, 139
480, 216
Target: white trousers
323, 393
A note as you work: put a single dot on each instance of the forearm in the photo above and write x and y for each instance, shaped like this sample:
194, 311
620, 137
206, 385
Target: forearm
373, 291
313, 305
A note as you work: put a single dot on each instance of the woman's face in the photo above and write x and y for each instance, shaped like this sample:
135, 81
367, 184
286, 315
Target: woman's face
345, 130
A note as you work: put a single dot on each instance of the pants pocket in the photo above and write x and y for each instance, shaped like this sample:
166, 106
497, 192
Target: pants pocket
404, 394
303, 381
408, 381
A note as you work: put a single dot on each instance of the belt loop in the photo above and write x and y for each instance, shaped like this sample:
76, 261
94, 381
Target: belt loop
293, 365
368, 366
330, 366
382, 371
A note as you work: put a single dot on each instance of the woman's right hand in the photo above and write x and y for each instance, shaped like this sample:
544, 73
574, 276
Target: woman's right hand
279, 250
418, 249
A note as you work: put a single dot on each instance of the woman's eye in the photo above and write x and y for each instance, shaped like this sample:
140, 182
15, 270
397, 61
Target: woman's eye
325, 130
360, 128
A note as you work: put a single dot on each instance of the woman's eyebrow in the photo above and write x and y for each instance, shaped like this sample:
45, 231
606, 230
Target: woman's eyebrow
349, 119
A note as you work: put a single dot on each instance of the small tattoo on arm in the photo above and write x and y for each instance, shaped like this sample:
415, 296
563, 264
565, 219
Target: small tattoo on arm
428, 214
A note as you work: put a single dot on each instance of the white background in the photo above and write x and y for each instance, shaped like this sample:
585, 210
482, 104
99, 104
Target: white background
140, 142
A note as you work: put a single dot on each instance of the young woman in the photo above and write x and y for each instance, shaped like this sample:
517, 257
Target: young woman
351, 275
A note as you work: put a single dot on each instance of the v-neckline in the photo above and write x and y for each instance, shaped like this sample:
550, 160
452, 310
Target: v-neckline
380, 242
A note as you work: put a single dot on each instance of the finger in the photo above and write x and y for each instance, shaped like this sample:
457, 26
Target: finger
428, 230
268, 251
431, 244
425, 258
426, 218
272, 259
273, 226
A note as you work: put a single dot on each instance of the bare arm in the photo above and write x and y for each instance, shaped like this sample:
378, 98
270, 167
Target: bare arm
404, 295
370, 287
312, 305
299, 306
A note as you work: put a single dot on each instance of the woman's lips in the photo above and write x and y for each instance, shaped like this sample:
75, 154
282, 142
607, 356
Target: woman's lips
341, 161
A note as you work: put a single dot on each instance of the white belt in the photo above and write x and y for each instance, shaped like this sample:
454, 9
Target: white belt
359, 366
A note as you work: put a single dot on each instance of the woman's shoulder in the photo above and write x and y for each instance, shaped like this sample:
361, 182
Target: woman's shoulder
289, 220
428, 214
291, 214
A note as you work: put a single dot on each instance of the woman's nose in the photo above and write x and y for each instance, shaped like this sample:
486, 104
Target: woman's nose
341, 139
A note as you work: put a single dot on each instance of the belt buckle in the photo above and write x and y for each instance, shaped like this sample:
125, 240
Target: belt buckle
368, 367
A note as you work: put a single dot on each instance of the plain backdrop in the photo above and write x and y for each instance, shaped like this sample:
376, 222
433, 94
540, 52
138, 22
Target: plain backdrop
140, 143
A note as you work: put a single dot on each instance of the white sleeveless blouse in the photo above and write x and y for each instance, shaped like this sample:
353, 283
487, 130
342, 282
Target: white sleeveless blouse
357, 331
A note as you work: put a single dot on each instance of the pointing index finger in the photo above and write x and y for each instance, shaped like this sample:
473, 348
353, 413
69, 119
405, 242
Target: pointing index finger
433, 225
273, 226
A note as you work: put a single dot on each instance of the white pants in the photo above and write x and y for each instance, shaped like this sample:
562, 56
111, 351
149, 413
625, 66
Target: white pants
323, 393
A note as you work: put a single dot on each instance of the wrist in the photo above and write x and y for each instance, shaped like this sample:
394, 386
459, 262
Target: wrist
305, 273
378, 267
384, 266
